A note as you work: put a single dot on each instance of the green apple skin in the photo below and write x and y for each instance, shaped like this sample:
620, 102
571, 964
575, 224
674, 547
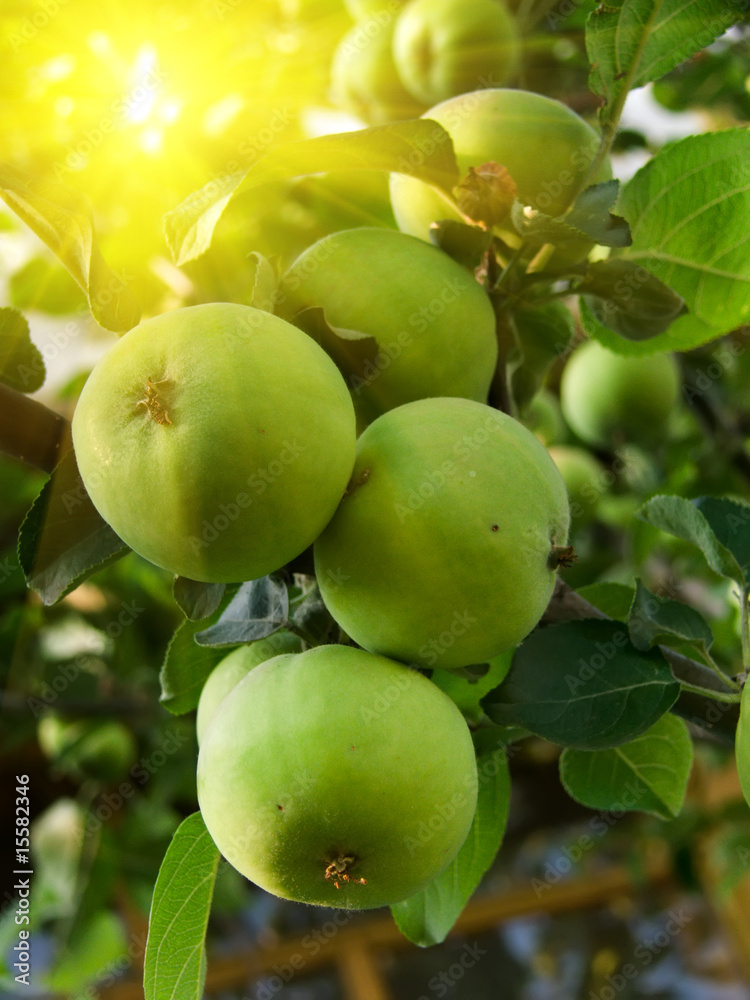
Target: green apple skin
440, 552
335, 753
443, 48
227, 674
434, 323
216, 440
546, 148
742, 743
364, 78
585, 479
608, 399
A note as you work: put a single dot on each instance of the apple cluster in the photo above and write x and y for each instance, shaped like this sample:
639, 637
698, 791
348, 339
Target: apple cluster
220, 441
399, 59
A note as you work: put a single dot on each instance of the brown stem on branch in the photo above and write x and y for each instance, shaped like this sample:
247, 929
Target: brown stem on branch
717, 717
30, 431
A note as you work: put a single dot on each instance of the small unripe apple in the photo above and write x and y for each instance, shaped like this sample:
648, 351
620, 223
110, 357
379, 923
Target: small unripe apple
433, 322
95, 748
544, 417
227, 674
364, 78
546, 148
447, 47
216, 440
444, 549
609, 399
585, 480
338, 778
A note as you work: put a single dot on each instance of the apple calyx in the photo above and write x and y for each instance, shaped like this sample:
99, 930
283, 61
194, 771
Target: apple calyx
154, 402
561, 556
339, 868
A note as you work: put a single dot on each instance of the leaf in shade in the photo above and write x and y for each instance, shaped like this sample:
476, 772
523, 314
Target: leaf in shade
63, 220
427, 917
354, 353
197, 600
421, 148
310, 615
259, 608
613, 599
466, 244
175, 959
684, 519
628, 299
583, 684
187, 665
730, 522
687, 210
21, 363
543, 334
537, 228
653, 621
63, 538
591, 214
648, 774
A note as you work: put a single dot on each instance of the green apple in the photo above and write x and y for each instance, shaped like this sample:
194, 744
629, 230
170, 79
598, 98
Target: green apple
586, 480
364, 78
443, 48
227, 674
216, 440
433, 322
546, 148
609, 399
338, 778
444, 549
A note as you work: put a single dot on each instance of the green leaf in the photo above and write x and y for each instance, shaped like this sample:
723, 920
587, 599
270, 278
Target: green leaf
186, 666
632, 42
21, 363
648, 774
730, 858
543, 334
583, 684
259, 608
63, 220
265, 283
683, 519
197, 600
354, 353
63, 538
175, 960
687, 209
537, 228
591, 215
427, 917
421, 148
654, 620
467, 692
612, 599
466, 244
730, 522
625, 297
